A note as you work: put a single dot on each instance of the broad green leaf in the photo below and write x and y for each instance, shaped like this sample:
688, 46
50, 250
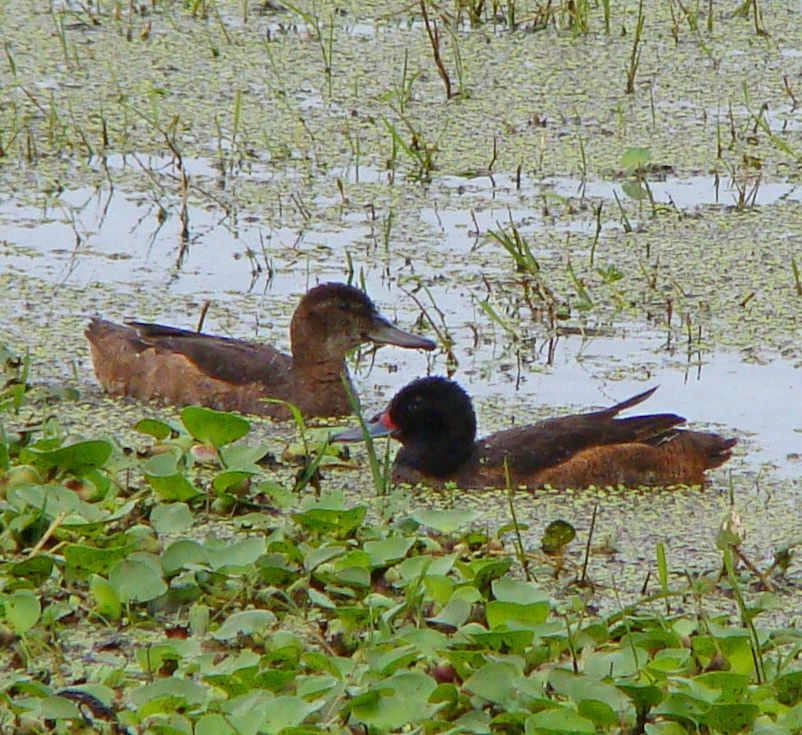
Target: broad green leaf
513, 641
36, 569
445, 521
77, 459
243, 456
136, 580
384, 713
107, 601
229, 479
92, 559
668, 727
388, 551
287, 712
54, 500
730, 718
559, 720
513, 590
182, 691
171, 518
635, 158
153, 427
216, 428
455, 613
557, 535
324, 520
501, 613
494, 681
182, 554
241, 553
248, 622
163, 476
22, 610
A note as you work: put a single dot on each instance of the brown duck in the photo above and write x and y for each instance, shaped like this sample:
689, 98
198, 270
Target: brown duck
151, 361
434, 420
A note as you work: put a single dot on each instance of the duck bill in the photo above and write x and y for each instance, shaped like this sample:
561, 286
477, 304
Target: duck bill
376, 428
384, 333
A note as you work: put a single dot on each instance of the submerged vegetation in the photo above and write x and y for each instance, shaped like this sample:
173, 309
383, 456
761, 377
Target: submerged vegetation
530, 172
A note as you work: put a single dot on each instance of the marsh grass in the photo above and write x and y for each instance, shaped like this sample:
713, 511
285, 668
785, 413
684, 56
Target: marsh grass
634, 58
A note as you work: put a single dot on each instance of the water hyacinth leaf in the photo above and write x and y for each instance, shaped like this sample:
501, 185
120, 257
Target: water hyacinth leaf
635, 158
57, 708
161, 473
230, 479
789, 687
172, 518
731, 686
503, 613
92, 559
230, 555
385, 713
36, 569
495, 681
488, 570
326, 520
107, 601
243, 456
438, 587
560, 720
183, 554
513, 590
445, 521
388, 550
136, 580
670, 727
678, 706
153, 427
54, 500
557, 535
179, 692
730, 718
643, 696
276, 571
285, 712
454, 614
391, 661
216, 428
215, 724
22, 610
76, 459
509, 641
248, 622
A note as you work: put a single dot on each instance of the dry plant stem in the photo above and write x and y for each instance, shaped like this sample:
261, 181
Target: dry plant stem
202, 315
583, 578
764, 580
434, 39
57, 521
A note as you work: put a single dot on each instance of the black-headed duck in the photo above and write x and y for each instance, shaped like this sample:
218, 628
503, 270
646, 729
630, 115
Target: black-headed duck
434, 420
151, 361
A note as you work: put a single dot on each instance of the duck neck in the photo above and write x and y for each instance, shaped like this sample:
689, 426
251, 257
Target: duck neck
440, 457
318, 357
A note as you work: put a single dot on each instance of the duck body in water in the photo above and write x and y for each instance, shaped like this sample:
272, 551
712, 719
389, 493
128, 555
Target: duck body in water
178, 366
433, 418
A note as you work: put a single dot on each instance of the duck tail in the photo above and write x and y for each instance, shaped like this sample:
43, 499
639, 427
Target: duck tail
628, 403
653, 428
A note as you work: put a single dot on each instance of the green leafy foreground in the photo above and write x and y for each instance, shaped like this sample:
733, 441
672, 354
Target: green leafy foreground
179, 590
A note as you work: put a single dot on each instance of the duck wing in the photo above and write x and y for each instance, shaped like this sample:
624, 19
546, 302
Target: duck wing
529, 449
233, 361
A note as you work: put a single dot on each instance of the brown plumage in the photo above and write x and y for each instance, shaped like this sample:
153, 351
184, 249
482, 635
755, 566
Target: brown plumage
434, 420
151, 361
